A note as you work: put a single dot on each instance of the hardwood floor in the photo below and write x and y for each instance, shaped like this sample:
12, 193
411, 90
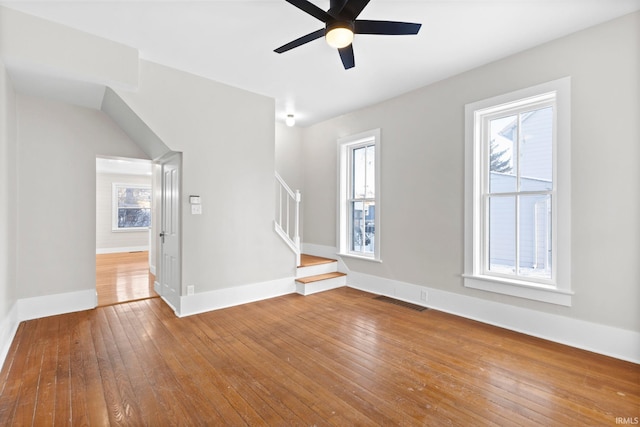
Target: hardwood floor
123, 277
335, 358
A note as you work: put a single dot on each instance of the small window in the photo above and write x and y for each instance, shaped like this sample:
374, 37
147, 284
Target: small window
359, 207
518, 194
131, 207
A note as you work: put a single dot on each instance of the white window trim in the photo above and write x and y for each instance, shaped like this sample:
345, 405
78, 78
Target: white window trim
558, 292
344, 145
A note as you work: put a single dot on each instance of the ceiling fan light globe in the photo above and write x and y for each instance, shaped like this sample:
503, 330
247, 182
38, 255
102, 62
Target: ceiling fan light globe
339, 37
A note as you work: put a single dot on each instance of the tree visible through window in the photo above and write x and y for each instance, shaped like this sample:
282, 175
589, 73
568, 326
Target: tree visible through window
520, 191
131, 207
517, 193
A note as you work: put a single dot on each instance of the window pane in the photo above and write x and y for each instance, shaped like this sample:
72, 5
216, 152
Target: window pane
357, 226
370, 186
502, 234
369, 227
359, 173
133, 197
363, 227
536, 142
502, 167
134, 217
535, 236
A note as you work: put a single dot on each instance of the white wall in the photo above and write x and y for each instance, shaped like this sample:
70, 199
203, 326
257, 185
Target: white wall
39, 46
107, 240
8, 240
57, 148
423, 171
226, 136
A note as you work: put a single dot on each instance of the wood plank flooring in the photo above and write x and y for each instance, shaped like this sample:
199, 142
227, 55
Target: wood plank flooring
336, 358
123, 277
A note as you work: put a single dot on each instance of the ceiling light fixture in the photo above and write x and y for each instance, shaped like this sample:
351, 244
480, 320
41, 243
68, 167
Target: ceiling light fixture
290, 120
339, 34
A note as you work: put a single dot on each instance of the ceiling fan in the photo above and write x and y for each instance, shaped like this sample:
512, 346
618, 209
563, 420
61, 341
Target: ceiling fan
341, 25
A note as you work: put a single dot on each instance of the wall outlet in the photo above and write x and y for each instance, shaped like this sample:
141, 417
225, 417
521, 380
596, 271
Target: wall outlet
191, 289
424, 296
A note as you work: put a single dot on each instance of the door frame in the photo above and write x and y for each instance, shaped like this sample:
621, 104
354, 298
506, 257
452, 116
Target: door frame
125, 166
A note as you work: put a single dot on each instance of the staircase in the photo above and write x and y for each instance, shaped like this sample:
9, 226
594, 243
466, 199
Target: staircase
288, 206
314, 274
317, 274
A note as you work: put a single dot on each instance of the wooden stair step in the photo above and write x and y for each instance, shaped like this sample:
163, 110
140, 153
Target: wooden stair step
319, 277
310, 260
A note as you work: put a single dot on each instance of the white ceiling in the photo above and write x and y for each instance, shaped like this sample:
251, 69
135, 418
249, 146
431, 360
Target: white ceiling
233, 41
123, 166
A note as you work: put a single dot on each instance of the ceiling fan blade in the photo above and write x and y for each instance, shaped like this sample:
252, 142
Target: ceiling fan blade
386, 27
311, 9
336, 7
353, 8
346, 54
300, 41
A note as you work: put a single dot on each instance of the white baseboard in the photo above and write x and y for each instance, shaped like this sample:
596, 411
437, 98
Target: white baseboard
43, 306
229, 297
101, 251
52, 305
152, 269
8, 329
610, 341
607, 340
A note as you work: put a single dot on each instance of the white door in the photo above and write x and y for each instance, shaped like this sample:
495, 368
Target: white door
170, 256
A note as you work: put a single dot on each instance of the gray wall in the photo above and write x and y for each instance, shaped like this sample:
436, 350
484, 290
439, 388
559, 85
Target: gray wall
288, 154
57, 148
8, 214
106, 238
227, 137
423, 172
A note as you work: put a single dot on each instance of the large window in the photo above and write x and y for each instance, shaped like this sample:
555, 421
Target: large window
518, 198
359, 208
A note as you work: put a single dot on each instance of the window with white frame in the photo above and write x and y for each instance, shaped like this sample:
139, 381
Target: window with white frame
359, 193
517, 207
131, 207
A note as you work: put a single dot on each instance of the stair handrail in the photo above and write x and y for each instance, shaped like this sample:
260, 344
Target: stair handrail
283, 225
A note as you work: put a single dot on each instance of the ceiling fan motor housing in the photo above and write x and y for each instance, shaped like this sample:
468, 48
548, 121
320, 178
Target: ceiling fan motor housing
332, 25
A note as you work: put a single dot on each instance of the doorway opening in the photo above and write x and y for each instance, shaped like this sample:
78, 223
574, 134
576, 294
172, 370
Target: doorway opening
124, 254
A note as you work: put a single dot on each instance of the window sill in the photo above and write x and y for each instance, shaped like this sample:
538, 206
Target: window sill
129, 230
363, 258
518, 289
